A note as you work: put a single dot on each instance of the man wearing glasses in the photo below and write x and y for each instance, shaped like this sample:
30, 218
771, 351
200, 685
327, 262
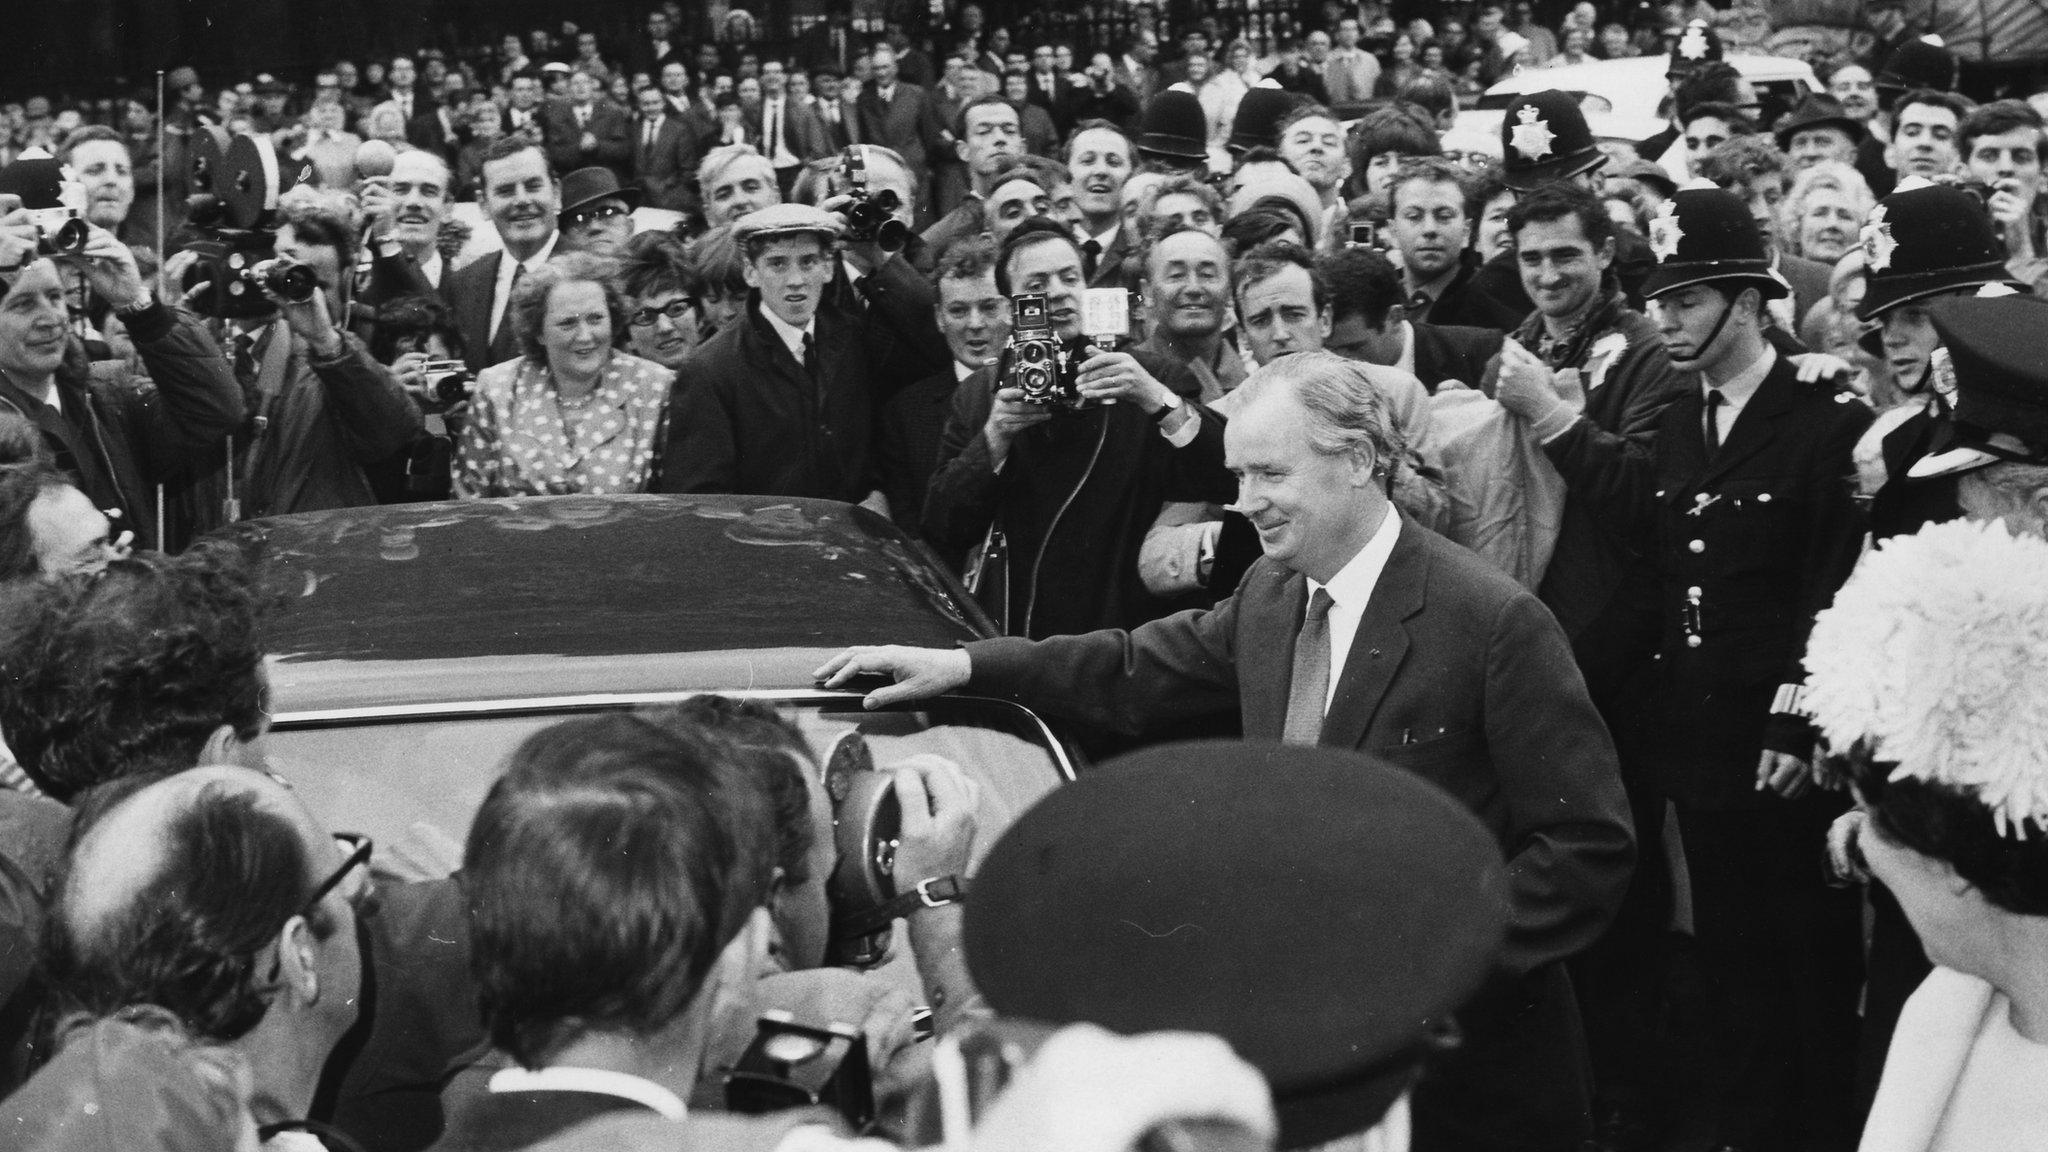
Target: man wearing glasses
597, 213
216, 897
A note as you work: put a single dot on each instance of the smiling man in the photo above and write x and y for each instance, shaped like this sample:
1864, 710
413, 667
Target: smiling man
1069, 562
522, 197
1099, 156
1187, 294
408, 207
1357, 629
779, 403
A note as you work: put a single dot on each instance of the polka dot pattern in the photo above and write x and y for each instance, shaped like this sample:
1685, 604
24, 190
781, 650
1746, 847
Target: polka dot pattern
521, 441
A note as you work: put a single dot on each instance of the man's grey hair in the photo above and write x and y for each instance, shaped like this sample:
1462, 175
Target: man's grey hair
2015, 490
1346, 412
716, 162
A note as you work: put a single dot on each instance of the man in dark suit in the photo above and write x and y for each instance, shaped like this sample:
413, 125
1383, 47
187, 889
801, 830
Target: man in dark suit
1403, 645
1368, 323
779, 403
654, 51
664, 156
974, 317
899, 115
1746, 510
438, 130
828, 43
586, 130
789, 131
1100, 157
528, 102
884, 293
1049, 88
523, 199
632, 1037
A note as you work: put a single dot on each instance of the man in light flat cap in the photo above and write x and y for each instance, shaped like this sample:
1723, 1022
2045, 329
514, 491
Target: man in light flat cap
779, 403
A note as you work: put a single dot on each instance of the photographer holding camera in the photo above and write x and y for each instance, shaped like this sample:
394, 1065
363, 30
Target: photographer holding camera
1057, 496
315, 407
879, 278
114, 435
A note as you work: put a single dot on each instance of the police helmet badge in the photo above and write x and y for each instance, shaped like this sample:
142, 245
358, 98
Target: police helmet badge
1693, 45
1878, 242
1532, 135
1665, 231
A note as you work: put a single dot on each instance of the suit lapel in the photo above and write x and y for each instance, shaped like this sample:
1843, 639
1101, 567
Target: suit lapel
1269, 609
1380, 645
1758, 423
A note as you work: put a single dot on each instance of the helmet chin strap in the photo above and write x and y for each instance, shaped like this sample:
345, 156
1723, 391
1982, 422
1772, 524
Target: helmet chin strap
1726, 311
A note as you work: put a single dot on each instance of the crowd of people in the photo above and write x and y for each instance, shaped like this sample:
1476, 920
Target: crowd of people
1615, 553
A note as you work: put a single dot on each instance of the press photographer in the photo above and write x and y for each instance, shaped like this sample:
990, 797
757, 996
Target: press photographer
99, 421
315, 407
1057, 497
877, 279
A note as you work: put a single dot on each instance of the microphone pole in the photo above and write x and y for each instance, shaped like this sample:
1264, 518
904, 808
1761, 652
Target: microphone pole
162, 171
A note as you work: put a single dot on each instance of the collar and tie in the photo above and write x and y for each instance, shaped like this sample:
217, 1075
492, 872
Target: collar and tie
647, 134
1715, 402
1309, 688
1419, 305
1091, 253
813, 368
583, 116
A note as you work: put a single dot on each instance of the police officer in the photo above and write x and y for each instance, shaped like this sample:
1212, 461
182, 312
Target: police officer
1921, 244
1753, 525
1995, 442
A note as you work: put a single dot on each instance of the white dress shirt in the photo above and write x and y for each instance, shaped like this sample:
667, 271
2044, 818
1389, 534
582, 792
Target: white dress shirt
1351, 590
507, 269
775, 132
601, 1081
433, 267
1407, 361
1735, 394
792, 335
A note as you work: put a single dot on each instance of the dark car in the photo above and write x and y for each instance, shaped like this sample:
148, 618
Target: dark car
415, 645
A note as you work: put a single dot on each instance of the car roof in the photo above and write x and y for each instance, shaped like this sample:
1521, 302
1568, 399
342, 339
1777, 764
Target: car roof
1630, 80
419, 604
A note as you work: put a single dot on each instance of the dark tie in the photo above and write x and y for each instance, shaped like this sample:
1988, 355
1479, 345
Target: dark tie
647, 136
1715, 401
813, 369
1091, 252
505, 341
772, 138
1310, 687
1419, 305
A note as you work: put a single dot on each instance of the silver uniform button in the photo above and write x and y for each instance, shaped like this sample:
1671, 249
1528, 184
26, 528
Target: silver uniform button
1763, 498
1692, 641
1693, 591
1698, 546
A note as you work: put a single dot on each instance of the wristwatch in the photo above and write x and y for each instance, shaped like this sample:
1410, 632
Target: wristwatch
1166, 410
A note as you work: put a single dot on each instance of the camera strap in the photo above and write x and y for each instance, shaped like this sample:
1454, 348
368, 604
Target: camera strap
933, 893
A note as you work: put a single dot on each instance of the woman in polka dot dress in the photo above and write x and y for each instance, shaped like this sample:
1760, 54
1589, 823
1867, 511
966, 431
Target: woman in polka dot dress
574, 414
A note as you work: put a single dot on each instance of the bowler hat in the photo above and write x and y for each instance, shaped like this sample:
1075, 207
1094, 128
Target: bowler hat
1318, 909
1174, 126
1704, 235
1818, 110
586, 186
1259, 113
1924, 240
1545, 138
1997, 349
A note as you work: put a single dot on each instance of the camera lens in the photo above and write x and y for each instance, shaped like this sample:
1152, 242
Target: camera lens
294, 282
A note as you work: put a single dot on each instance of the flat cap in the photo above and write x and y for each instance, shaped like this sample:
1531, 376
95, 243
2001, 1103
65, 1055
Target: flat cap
1319, 909
787, 220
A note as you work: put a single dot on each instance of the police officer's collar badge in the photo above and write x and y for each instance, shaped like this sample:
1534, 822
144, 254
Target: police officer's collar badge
1665, 231
1693, 45
1878, 243
1532, 136
1941, 375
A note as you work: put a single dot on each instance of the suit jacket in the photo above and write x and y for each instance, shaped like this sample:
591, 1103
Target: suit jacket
803, 130
747, 418
909, 123
1458, 675
1749, 545
428, 132
1468, 304
1453, 352
1050, 101
609, 125
1809, 279
470, 289
838, 133
895, 309
666, 172
511, 1121
643, 54
913, 422
1110, 265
